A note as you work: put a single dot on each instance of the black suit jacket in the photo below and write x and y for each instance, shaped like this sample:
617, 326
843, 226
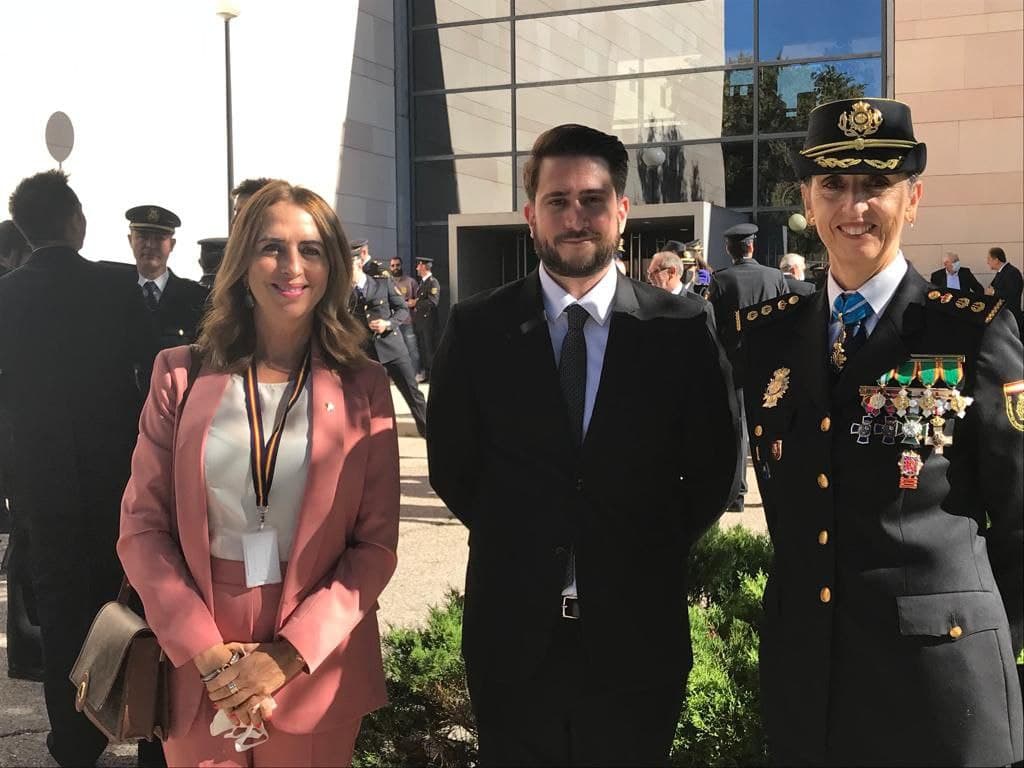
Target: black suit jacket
744, 283
646, 483
872, 675
968, 282
73, 353
179, 312
382, 301
799, 287
1009, 285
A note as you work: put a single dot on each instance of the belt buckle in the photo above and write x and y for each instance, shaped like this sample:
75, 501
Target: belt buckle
568, 603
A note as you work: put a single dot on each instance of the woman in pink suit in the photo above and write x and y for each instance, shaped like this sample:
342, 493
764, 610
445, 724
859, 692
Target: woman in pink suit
262, 517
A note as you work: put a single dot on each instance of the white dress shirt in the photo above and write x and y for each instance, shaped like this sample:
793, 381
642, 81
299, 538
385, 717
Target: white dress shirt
598, 303
953, 280
878, 290
230, 498
161, 283
679, 289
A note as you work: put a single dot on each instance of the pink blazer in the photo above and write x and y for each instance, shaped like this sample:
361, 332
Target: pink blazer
343, 553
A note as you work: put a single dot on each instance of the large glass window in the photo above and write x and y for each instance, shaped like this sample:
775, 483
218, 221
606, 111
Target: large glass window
789, 93
463, 123
461, 57
805, 29
447, 11
472, 185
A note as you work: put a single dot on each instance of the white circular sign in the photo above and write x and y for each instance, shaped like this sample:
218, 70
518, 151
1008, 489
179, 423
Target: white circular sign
60, 136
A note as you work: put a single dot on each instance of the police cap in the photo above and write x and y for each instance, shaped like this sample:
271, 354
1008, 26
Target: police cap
357, 246
741, 233
152, 217
428, 260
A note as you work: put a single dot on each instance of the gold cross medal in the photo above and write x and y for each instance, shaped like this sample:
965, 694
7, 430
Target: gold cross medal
838, 351
776, 388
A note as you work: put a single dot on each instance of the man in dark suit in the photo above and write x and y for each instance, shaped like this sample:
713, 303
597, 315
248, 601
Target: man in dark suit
952, 275
887, 423
376, 302
176, 304
744, 283
1007, 283
425, 318
73, 345
793, 269
575, 633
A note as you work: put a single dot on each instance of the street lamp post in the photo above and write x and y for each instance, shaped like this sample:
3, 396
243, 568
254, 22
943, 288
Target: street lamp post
227, 10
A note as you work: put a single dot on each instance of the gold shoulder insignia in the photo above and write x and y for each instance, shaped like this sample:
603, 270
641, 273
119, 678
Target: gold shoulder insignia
979, 309
766, 311
1013, 395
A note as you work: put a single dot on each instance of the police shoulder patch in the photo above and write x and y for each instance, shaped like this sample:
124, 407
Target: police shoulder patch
768, 311
976, 308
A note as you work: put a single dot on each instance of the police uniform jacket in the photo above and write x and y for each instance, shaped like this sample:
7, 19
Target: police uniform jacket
179, 312
502, 457
744, 283
428, 295
1008, 284
892, 616
381, 301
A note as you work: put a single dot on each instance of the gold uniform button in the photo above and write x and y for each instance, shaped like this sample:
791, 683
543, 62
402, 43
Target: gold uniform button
823, 538
825, 595
758, 430
826, 424
955, 632
822, 481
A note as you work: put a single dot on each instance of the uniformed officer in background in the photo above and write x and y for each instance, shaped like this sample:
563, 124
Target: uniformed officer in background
739, 285
375, 301
886, 419
425, 319
177, 304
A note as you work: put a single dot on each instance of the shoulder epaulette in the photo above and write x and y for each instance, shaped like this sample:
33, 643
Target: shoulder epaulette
969, 306
768, 311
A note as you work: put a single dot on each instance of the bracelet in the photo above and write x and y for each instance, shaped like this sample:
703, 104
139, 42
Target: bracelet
236, 656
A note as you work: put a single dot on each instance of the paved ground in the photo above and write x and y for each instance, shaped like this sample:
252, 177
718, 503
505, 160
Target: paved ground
431, 559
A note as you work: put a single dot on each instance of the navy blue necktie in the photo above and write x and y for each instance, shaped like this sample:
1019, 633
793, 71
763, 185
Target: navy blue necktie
572, 369
149, 293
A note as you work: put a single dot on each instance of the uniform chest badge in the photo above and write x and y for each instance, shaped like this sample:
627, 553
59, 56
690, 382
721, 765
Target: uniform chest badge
1013, 395
776, 388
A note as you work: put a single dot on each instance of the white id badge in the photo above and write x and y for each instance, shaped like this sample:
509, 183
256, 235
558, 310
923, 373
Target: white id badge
262, 562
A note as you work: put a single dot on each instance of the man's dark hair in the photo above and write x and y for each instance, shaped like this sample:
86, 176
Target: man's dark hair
249, 187
737, 249
674, 246
42, 205
572, 140
997, 253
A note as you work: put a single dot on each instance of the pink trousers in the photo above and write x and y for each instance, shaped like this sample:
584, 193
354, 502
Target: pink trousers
246, 614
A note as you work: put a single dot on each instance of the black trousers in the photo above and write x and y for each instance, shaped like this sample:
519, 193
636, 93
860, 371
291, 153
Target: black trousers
24, 640
401, 372
72, 578
426, 339
562, 717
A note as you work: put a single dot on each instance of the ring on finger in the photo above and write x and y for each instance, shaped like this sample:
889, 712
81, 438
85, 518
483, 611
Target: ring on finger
232, 688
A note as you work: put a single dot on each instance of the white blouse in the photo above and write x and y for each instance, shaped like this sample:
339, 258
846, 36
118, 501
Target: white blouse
230, 498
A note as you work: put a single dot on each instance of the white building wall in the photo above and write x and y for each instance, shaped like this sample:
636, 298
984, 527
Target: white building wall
143, 83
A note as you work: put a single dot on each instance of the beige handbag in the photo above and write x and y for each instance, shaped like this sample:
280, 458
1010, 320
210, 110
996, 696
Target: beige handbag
121, 675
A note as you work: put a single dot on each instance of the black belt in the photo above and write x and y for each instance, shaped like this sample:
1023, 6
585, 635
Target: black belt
570, 607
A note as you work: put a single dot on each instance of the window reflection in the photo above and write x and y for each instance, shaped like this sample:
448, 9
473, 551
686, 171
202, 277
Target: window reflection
775, 239
444, 11
463, 123
477, 185
777, 182
789, 93
802, 29
461, 57
739, 174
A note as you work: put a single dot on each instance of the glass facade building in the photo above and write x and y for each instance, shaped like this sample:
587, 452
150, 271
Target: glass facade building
708, 95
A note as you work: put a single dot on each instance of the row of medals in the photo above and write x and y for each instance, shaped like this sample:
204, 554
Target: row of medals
915, 415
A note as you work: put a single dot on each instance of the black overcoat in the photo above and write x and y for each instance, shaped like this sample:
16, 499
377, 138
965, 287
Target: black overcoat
892, 616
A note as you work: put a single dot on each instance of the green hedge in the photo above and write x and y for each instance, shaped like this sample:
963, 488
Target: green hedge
429, 720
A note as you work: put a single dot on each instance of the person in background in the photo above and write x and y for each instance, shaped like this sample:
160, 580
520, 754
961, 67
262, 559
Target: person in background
406, 286
425, 318
886, 417
244, 191
953, 275
211, 253
176, 304
1007, 282
792, 266
702, 274
260, 539
666, 272
75, 335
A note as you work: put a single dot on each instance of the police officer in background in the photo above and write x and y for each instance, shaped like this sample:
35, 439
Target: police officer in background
886, 418
375, 301
742, 284
175, 303
425, 319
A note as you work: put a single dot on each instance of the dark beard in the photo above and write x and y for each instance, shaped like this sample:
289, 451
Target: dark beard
548, 254
396, 272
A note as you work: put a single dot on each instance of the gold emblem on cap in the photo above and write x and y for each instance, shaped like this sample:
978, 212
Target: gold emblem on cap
776, 388
862, 120
153, 215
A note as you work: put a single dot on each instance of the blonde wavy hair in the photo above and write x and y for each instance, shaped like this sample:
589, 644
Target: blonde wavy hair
228, 336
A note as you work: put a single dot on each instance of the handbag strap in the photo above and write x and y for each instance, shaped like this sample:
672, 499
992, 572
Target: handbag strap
125, 593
